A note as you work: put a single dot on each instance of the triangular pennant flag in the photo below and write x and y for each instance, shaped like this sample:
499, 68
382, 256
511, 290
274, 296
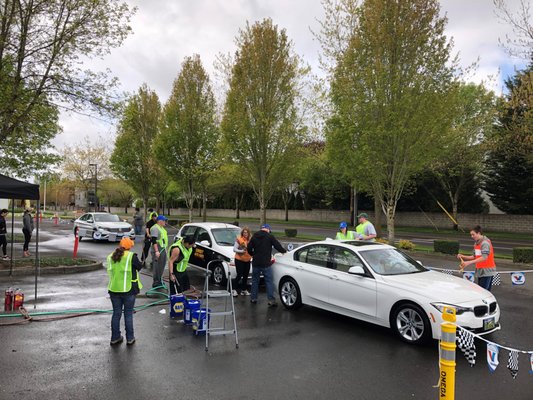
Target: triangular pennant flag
531, 363
496, 280
518, 278
512, 364
469, 275
465, 340
492, 356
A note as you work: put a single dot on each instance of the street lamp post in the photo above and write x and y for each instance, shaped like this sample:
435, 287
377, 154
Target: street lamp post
96, 205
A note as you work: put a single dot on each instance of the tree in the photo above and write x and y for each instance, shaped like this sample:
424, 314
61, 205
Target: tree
133, 158
391, 94
116, 192
42, 44
189, 133
521, 44
260, 119
509, 172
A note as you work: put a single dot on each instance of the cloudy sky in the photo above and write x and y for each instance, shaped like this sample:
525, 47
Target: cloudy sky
166, 31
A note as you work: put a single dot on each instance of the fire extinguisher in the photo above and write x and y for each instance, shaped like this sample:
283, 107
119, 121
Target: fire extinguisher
8, 300
18, 299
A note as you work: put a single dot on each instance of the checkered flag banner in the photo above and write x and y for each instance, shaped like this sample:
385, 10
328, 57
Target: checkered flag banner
465, 341
512, 364
496, 280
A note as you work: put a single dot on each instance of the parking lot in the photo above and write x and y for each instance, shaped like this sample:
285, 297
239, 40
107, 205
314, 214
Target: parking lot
305, 354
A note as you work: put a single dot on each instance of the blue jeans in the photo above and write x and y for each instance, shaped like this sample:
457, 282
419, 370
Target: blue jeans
256, 274
138, 230
120, 301
485, 282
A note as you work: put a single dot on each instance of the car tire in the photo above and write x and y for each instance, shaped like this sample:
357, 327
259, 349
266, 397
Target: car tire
218, 274
410, 322
290, 294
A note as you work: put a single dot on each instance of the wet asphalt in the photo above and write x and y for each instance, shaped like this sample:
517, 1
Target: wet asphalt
304, 354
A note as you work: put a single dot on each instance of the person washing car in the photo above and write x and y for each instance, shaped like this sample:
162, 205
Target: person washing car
260, 248
179, 254
344, 233
365, 230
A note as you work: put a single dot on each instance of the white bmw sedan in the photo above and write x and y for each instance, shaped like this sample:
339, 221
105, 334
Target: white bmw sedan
377, 283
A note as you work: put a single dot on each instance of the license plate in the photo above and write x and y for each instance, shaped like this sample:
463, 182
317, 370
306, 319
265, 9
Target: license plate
488, 324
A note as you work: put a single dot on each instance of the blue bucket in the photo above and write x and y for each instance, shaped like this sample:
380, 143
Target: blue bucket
200, 321
177, 305
190, 307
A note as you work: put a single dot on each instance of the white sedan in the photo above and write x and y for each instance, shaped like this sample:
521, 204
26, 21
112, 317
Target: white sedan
377, 283
103, 226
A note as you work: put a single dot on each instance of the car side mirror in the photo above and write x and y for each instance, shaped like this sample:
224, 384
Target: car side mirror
205, 243
420, 262
356, 270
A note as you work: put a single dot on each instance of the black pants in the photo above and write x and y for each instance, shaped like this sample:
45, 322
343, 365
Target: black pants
182, 283
3, 243
146, 248
27, 238
241, 280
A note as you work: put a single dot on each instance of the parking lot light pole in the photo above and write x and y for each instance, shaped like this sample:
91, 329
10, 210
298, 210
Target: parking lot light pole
447, 355
96, 205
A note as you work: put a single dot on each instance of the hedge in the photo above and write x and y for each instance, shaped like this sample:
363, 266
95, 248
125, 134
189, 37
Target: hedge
446, 246
523, 254
291, 232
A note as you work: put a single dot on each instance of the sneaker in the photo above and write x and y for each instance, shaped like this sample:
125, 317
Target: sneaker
130, 342
117, 341
272, 304
5, 258
234, 293
253, 301
245, 293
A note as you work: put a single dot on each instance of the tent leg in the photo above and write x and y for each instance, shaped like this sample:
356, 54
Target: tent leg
12, 235
37, 261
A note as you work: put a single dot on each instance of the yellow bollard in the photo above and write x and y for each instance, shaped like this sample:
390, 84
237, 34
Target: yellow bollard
447, 355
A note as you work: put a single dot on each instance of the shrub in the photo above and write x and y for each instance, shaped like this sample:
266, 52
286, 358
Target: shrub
446, 246
523, 254
291, 232
406, 245
382, 240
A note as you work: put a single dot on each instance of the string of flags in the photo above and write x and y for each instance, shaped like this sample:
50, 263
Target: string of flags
465, 342
518, 278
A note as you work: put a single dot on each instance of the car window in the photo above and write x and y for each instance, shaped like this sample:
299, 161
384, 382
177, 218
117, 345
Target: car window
84, 217
106, 218
203, 235
301, 255
344, 259
188, 230
225, 236
318, 255
391, 262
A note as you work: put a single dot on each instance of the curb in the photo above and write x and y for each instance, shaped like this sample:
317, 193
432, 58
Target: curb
61, 269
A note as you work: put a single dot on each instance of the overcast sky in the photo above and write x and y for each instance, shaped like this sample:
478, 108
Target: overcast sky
166, 31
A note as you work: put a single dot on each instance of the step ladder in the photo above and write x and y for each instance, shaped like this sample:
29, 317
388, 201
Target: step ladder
219, 314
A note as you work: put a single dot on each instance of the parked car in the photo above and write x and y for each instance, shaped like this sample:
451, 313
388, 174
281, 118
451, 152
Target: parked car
103, 226
378, 283
214, 241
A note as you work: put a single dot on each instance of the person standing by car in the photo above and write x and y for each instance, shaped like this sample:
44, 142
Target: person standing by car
138, 222
179, 254
159, 238
27, 230
260, 248
242, 263
483, 258
3, 233
365, 230
344, 233
124, 284
147, 238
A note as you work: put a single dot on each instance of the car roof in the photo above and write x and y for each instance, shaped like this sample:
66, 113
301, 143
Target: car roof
356, 245
211, 225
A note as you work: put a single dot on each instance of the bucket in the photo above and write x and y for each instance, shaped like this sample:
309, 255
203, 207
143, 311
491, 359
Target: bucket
177, 305
190, 307
200, 321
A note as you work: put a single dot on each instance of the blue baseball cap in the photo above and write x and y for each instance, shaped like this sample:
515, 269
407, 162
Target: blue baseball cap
266, 226
343, 225
161, 218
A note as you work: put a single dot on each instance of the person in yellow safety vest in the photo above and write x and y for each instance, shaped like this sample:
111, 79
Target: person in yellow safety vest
483, 258
344, 233
159, 238
365, 230
151, 214
179, 254
124, 284
147, 239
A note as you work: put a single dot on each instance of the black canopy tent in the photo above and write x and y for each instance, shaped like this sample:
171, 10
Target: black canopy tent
14, 189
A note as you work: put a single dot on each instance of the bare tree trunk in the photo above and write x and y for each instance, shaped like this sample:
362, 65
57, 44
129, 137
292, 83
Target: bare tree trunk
204, 201
237, 207
377, 217
455, 208
352, 209
390, 223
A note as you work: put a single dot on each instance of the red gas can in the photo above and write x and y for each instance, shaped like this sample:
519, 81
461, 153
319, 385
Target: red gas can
8, 299
18, 299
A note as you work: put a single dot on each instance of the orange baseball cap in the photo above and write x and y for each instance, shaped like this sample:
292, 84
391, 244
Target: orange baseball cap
126, 243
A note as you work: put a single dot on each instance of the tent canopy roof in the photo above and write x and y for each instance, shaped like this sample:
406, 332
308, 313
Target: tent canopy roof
14, 189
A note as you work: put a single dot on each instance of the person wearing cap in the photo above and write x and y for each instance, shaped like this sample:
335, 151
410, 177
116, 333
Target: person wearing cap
147, 238
260, 248
179, 254
124, 284
3, 233
365, 230
344, 233
159, 238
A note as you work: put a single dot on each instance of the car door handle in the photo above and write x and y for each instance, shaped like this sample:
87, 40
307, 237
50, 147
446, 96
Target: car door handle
334, 277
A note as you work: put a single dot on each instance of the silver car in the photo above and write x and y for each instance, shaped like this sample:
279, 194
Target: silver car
103, 226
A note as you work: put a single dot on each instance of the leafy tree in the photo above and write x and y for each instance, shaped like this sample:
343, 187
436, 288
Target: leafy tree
186, 147
42, 44
391, 95
521, 43
116, 192
133, 157
260, 121
509, 172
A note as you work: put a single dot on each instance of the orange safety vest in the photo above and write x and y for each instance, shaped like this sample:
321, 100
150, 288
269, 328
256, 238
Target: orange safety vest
244, 256
489, 262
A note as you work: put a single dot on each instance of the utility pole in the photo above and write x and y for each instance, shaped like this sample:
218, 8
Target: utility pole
96, 205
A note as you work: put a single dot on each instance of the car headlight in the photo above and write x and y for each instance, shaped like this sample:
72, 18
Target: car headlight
99, 229
458, 309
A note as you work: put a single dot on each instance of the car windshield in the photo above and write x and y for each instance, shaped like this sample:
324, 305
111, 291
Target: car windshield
106, 218
391, 262
225, 236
